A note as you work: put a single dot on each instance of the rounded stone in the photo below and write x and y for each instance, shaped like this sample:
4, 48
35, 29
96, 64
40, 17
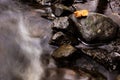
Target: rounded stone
97, 28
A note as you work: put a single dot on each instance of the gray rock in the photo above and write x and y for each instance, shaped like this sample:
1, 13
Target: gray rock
97, 28
60, 23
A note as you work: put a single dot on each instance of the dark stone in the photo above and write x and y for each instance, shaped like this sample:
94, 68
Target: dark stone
65, 25
115, 6
59, 38
66, 56
102, 6
110, 60
97, 28
62, 10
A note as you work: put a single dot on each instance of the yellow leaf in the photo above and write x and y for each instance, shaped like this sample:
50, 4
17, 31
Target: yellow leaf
81, 13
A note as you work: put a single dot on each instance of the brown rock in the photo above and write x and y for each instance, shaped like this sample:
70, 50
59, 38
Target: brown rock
63, 51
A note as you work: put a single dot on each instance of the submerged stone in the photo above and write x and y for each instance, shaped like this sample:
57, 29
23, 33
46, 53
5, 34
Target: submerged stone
71, 74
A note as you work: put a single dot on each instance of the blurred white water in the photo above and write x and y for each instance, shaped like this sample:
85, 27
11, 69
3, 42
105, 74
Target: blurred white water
33, 52
20, 51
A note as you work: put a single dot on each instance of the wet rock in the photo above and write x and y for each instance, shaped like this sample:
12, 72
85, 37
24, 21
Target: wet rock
62, 10
110, 60
65, 56
64, 32
58, 7
115, 17
115, 6
107, 55
71, 74
60, 23
47, 13
97, 28
86, 4
114, 46
65, 25
64, 51
60, 38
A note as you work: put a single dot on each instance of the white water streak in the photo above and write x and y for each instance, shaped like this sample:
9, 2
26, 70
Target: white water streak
31, 47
